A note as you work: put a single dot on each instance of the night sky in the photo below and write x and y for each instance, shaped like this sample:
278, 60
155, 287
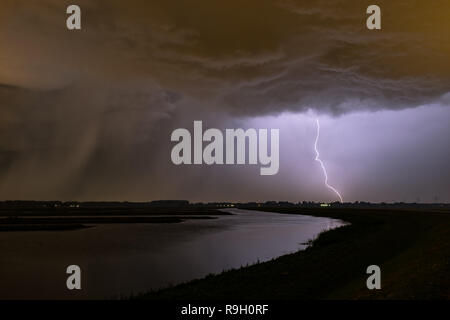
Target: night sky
87, 115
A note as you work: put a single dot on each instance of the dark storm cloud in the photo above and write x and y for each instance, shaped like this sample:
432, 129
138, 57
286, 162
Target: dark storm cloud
90, 112
59, 142
251, 57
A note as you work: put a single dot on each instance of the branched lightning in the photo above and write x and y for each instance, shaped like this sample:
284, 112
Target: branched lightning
322, 165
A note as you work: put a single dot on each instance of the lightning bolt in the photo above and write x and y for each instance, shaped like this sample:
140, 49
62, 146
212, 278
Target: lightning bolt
321, 163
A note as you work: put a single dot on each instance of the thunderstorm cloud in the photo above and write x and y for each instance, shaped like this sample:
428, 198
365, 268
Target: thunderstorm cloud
88, 114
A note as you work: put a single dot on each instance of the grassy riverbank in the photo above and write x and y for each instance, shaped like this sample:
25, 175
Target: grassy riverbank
412, 247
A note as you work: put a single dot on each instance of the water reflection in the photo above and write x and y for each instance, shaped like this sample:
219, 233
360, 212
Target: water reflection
121, 259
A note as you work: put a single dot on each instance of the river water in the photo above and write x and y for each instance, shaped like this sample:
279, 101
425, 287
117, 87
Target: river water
117, 260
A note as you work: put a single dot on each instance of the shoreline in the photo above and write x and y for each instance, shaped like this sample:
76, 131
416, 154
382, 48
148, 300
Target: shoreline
75, 223
411, 246
51, 218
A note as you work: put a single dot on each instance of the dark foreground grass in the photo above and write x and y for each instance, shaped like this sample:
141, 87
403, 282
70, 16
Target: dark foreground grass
412, 247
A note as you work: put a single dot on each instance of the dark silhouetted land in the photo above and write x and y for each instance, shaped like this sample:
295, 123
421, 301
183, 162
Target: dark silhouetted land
57, 215
411, 244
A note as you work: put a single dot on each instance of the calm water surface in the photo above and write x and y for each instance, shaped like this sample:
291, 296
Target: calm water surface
120, 259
